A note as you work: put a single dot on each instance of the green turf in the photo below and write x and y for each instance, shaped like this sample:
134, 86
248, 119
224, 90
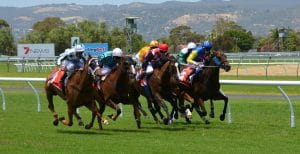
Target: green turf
259, 126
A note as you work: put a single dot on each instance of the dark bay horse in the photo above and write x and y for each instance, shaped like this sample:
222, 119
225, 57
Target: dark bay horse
79, 92
163, 84
207, 86
116, 89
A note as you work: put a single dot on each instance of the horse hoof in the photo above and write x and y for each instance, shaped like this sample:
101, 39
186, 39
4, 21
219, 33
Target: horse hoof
80, 123
88, 126
110, 116
166, 121
61, 119
138, 123
188, 120
222, 117
212, 115
207, 122
176, 115
55, 122
105, 122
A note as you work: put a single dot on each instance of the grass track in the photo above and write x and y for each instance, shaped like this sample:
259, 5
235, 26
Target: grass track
259, 126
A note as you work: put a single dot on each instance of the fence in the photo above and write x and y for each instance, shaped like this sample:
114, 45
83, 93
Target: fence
223, 82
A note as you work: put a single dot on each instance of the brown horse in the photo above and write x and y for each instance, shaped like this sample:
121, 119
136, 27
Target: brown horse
116, 88
163, 84
79, 92
206, 85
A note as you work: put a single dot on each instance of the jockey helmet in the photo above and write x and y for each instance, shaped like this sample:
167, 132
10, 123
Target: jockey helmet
117, 52
79, 48
163, 47
207, 45
191, 45
153, 43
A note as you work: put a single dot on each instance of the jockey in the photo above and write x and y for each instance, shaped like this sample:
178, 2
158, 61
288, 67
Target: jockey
197, 58
75, 60
108, 60
184, 53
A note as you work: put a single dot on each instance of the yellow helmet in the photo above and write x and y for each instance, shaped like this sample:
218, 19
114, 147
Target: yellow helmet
153, 43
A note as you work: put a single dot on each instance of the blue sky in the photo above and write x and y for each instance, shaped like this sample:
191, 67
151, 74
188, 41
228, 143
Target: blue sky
24, 3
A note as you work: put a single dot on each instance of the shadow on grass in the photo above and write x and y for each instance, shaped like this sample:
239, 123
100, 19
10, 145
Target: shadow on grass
84, 132
129, 130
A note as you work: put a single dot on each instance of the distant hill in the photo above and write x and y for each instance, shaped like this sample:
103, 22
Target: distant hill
156, 20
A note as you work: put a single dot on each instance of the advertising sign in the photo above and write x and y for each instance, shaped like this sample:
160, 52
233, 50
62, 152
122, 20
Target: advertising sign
94, 49
35, 50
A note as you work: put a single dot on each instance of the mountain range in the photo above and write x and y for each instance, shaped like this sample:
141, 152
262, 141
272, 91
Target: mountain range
156, 20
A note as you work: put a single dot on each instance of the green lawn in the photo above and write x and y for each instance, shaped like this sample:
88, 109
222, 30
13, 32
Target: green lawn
259, 126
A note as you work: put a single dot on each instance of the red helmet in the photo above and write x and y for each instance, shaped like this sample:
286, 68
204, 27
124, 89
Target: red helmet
163, 47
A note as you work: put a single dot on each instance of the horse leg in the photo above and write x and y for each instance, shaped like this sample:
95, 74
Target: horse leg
95, 112
79, 119
221, 96
116, 107
164, 106
51, 107
200, 103
71, 111
142, 110
152, 110
137, 115
212, 112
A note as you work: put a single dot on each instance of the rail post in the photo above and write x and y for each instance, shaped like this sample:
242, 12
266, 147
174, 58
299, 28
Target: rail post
293, 124
37, 96
267, 65
3, 100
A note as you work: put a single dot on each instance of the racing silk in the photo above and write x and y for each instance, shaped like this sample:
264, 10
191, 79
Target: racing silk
152, 57
196, 56
182, 56
106, 58
143, 53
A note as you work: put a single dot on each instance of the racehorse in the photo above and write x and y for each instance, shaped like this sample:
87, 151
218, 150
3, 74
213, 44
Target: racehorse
206, 85
163, 84
116, 88
79, 91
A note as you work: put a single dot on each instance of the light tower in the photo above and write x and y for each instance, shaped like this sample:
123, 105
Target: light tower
130, 29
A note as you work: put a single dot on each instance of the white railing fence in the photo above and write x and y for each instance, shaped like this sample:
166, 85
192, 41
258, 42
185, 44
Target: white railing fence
223, 82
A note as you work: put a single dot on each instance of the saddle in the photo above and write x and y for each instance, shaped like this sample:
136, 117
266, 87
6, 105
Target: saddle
185, 74
56, 78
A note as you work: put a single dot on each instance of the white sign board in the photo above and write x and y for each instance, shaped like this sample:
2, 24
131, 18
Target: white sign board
74, 41
36, 50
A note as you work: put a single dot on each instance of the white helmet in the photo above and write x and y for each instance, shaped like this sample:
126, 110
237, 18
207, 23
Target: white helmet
117, 52
70, 51
79, 48
191, 45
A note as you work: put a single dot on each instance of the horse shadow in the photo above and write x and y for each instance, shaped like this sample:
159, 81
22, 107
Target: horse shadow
82, 132
128, 130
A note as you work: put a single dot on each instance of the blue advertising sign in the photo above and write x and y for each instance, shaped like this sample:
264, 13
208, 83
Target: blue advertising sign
94, 49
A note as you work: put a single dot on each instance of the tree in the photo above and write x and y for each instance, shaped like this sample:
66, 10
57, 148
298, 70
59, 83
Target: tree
118, 38
88, 31
7, 46
231, 36
59, 36
182, 35
46, 25
104, 35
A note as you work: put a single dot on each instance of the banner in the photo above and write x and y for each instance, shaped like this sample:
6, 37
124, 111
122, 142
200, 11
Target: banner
94, 49
35, 50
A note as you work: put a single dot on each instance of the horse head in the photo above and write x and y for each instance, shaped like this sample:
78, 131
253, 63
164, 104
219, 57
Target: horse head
220, 59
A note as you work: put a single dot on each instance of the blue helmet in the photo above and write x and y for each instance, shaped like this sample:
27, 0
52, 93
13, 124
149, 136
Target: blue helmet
207, 45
